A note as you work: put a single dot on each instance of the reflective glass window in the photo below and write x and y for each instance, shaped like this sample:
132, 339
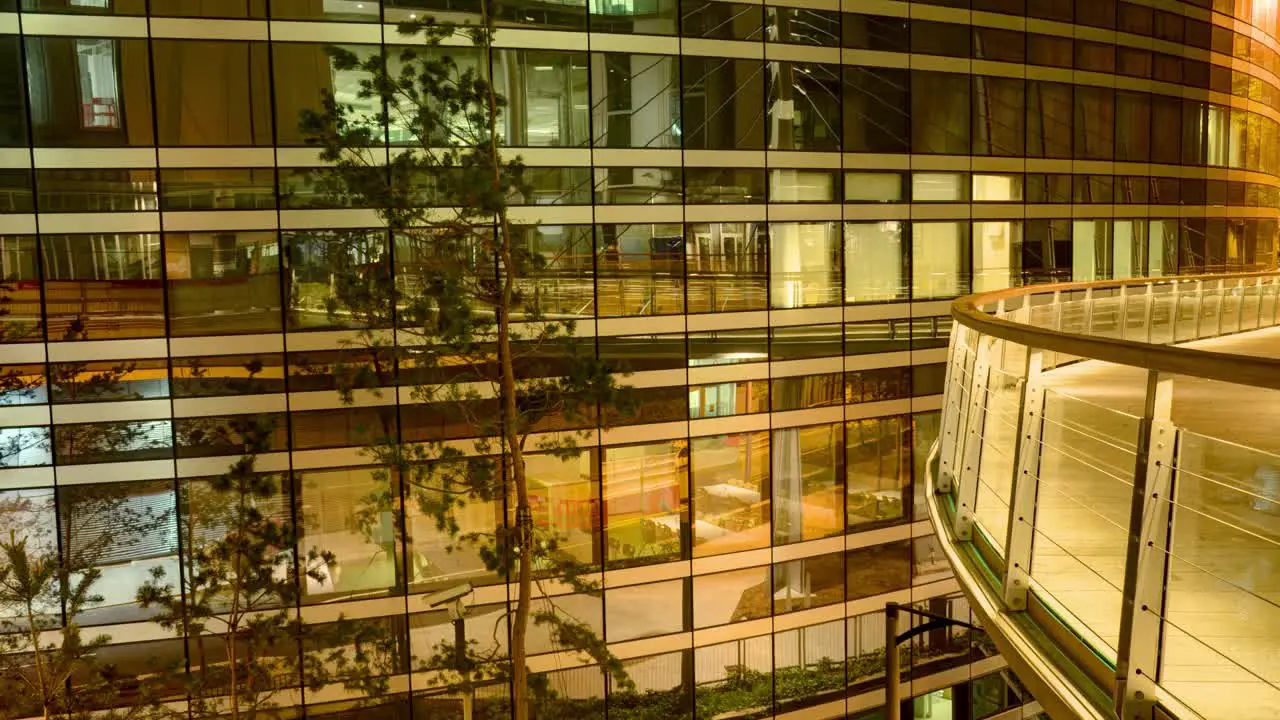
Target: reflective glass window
646, 610
878, 569
806, 391
223, 283
724, 103
217, 375
1049, 119
652, 18
808, 483
89, 92
877, 110
213, 435
730, 597
105, 442
728, 347
635, 100
559, 282
16, 191
436, 559
940, 113
804, 264
878, 384
704, 186
875, 32
875, 262
318, 259
808, 583
20, 276
546, 94
336, 514
107, 380
13, 93
646, 502
940, 259
878, 456
212, 93
564, 495
727, 266
638, 186
721, 20
639, 269
993, 246
873, 187
802, 26
730, 488
217, 189
999, 116
799, 186
301, 72
799, 342
96, 190
102, 286
804, 106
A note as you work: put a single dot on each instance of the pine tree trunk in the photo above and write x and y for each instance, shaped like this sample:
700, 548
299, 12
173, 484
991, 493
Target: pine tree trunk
34, 633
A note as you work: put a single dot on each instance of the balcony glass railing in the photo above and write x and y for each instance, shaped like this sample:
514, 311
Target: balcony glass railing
1110, 495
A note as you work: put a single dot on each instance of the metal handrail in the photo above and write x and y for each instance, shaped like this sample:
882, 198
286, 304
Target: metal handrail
1207, 364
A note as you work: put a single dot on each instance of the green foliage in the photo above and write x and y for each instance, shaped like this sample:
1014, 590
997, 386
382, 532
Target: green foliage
487, 357
238, 584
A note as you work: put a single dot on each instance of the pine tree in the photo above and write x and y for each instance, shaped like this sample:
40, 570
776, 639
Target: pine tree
239, 584
482, 340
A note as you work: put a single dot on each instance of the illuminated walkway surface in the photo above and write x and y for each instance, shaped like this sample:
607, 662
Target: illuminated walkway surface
1220, 653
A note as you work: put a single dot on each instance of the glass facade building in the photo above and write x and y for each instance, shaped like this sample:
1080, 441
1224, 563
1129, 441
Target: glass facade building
759, 210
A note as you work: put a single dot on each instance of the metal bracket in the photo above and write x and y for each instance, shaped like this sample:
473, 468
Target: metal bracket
1026, 484
1147, 562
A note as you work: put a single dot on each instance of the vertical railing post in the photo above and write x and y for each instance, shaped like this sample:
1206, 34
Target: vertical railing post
1146, 559
950, 430
1150, 309
1120, 314
971, 452
1195, 333
1026, 481
1088, 311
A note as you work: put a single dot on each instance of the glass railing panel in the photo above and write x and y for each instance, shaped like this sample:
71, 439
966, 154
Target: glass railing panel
1087, 458
999, 443
1210, 313
1105, 318
1163, 315
1136, 303
1075, 317
1222, 602
1267, 311
1250, 302
1187, 315
1044, 316
1229, 311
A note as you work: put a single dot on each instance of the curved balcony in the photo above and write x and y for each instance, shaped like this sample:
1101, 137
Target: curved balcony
1107, 485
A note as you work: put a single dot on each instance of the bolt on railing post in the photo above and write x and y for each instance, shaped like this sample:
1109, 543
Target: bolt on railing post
1146, 561
1026, 481
971, 453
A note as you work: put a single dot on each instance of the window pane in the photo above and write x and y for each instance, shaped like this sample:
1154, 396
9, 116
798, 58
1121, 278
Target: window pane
878, 453
645, 610
89, 92
804, 106
803, 186
338, 514
318, 259
804, 262
875, 262
223, 283
96, 190
228, 375
20, 272
546, 94
102, 380
638, 186
646, 502
807, 475
639, 269
807, 391
940, 254
723, 104
993, 244
999, 116
300, 72
730, 597
81, 443
939, 113
13, 108
727, 266
636, 100
804, 341
652, 18
564, 495
212, 93
102, 286
878, 569
808, 583
876, 110
730, 493
218, 189
437, 558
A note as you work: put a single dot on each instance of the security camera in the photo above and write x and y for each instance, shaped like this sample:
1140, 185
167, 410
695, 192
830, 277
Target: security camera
457, 592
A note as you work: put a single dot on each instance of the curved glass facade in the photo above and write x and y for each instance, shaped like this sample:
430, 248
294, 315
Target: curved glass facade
760, 210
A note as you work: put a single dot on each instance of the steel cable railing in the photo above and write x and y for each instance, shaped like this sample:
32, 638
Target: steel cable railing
1126, 560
